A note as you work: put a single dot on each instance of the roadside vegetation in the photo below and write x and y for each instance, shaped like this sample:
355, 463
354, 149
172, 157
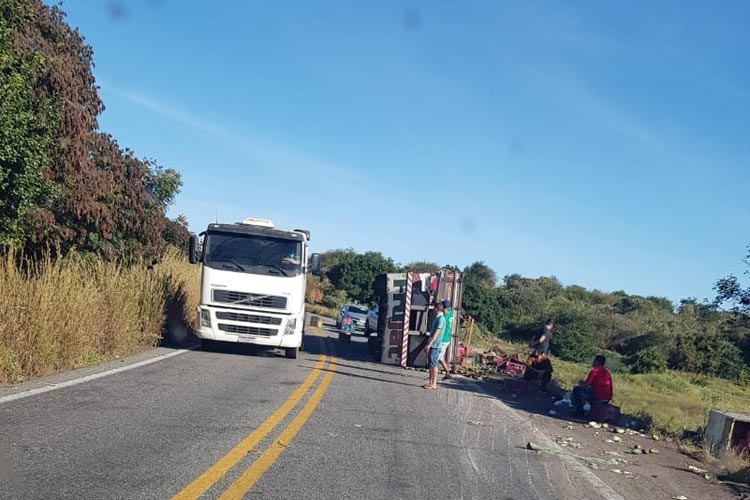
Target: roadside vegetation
90, 265
88, 269
60, 314
671, 362
668, 402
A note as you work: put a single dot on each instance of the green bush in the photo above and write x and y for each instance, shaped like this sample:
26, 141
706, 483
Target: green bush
708, 354
335, 299
574, 337
648, 360
355, 273
642, 342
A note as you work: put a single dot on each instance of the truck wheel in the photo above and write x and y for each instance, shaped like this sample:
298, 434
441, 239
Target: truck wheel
290, 352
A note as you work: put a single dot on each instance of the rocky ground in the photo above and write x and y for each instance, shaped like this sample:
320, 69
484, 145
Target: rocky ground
638, 465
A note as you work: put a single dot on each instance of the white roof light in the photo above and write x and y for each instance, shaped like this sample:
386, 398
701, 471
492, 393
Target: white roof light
252, 221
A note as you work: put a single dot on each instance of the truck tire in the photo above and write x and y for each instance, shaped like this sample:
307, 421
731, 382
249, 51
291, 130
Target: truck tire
290, 353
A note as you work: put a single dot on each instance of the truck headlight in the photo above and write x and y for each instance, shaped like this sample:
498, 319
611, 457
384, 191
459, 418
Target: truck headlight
291, 325
206, 318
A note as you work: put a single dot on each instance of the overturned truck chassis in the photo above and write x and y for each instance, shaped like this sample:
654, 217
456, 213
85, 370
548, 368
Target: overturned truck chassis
406, 311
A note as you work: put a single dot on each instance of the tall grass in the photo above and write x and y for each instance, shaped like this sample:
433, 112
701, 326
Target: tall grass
669, 402
321, 310
58, 314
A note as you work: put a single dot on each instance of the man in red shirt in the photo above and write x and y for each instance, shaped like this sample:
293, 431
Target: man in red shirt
597, 388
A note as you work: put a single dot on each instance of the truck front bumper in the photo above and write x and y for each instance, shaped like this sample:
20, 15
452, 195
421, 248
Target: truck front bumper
250, 327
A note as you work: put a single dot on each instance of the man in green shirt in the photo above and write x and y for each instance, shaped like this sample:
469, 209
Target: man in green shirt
448, 314
433, 346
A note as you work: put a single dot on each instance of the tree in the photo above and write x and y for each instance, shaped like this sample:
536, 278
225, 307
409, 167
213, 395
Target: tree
730, 291
176, 232
28, 121
332, 258
707, 351
648, 360
637, 343
480, 300
574, 337
163, 184
422, 267
355, 273
64, 219
479, 273
65, 185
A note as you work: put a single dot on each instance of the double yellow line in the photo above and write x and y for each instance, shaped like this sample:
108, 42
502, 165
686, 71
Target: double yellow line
253, 473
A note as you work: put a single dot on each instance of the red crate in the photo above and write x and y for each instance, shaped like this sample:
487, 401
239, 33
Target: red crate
515, 368
609, 414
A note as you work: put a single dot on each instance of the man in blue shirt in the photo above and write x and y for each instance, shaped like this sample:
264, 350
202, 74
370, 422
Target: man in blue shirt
433, 346
541, 341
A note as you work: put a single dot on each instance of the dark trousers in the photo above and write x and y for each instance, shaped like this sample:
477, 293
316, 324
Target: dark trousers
543, 376
581, 396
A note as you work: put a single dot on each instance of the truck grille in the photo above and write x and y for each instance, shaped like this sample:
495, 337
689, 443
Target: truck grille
248, 318
249, 299
248, 330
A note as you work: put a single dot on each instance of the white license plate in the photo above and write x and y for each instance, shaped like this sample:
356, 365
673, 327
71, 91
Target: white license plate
246, 338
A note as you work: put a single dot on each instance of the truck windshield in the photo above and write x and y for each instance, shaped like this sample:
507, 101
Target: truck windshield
252, 254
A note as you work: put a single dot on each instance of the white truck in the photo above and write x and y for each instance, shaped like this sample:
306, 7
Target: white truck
253, 284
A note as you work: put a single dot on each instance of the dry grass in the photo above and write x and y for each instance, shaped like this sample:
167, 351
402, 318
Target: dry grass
62, 314
669, 402
320, 310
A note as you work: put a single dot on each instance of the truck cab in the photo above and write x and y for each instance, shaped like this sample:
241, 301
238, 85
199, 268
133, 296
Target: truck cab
252, 284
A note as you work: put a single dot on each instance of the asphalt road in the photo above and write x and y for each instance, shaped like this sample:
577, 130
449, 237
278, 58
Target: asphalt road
213, 424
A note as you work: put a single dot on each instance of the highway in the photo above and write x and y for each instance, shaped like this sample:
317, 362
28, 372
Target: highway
234, 424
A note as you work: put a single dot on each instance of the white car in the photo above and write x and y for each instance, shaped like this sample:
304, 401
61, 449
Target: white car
371, 324
357, 313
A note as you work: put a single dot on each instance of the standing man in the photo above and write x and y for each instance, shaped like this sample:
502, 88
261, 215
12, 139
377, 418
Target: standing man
448, 313
541, 341
596, 388
433, 346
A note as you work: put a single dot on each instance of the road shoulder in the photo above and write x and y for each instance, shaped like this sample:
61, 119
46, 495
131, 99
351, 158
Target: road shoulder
80, 375
608, 456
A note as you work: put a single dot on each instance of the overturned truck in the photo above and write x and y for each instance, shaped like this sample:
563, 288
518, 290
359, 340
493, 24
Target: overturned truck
406, 304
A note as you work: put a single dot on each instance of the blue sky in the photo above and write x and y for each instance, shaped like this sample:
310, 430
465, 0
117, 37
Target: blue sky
604, 143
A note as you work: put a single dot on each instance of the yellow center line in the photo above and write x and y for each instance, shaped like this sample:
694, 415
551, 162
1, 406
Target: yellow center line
203, 482
242, 485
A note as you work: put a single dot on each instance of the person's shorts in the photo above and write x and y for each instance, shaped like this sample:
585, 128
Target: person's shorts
444, 349
433, 359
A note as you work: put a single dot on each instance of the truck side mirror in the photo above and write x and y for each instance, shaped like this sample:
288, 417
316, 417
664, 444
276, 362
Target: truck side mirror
193, 249
315, 263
